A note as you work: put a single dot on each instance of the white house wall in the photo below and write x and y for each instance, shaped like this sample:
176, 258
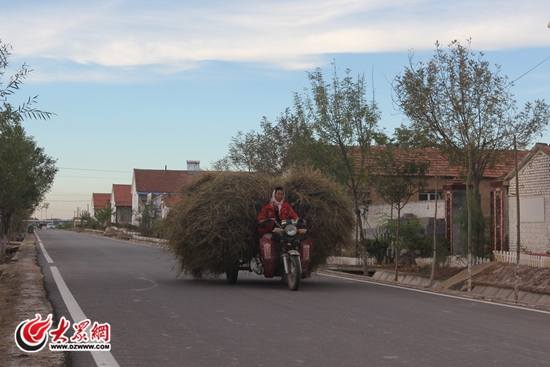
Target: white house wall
534, 184
135, 201
420, 209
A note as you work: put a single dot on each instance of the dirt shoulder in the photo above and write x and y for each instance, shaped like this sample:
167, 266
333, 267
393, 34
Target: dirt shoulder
503, 275
22, 296
497, 274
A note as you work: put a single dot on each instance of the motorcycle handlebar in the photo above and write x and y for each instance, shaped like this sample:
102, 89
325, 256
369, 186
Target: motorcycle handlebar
266, 221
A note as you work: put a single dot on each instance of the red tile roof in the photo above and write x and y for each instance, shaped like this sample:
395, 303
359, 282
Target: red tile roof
171, 199
159, 181
439, 165
123, 195
100, 200
524, 159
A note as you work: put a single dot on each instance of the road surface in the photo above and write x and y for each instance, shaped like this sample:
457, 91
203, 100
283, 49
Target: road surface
158, 319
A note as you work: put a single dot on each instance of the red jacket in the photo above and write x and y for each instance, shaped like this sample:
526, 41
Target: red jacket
268, 211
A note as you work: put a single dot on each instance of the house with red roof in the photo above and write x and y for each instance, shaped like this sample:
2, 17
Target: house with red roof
158, 183
446, 184
121, 202
100, 201
163, 203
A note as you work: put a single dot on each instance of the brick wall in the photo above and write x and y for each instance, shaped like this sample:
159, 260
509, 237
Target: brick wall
534, 182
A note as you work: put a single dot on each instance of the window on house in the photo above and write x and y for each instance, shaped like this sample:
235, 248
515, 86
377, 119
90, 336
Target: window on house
428, 196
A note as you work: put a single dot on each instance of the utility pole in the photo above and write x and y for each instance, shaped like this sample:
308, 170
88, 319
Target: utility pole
469, 218
516, 287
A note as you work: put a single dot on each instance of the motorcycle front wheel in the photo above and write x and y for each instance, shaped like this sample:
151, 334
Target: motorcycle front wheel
294, 275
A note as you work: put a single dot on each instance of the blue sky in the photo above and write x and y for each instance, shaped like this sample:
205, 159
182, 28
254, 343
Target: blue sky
141, 84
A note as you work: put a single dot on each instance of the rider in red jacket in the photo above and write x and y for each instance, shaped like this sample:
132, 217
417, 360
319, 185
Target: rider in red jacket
276, 209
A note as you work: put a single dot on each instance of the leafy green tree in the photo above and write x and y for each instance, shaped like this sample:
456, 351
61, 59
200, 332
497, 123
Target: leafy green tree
25, 110
410, 138
147, 219
377, 248
330, 127
400, 173
87, 220
26, 172
268, 151
463, 105
104, 215
412, 236
340, 126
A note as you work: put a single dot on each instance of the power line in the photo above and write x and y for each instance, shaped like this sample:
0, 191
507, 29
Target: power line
65, 194
68, 201
533, 68
109, 178
94, 170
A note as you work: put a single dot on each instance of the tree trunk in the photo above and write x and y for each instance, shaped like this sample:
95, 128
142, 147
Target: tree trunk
361, 238
5, 221
479, 235
397, 243
432, 277
469, 207
3, 245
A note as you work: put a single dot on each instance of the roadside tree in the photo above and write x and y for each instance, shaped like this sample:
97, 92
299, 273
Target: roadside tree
268, 151
104, 215
341, 124
462, 105
398, 175
26, 172
147, 219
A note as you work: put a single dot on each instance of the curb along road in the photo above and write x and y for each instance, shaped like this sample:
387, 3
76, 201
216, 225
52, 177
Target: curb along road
485, 293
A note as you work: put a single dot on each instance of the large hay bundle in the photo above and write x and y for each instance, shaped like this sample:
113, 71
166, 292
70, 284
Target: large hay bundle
331, 221
216, 221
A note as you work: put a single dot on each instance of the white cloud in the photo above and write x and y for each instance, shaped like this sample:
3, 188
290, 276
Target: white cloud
286, 34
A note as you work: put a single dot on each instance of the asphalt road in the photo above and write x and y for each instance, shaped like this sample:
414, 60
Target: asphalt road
158, 319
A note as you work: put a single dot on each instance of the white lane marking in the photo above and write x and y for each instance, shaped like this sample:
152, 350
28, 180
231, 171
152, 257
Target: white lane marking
43, 249
438, 294
101, 358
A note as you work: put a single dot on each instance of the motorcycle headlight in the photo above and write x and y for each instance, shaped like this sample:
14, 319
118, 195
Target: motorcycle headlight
291, 230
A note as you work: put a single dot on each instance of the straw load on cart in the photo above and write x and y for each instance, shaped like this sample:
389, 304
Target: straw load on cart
215, 222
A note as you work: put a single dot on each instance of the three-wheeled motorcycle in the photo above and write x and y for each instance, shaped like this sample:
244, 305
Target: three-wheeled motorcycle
287, 254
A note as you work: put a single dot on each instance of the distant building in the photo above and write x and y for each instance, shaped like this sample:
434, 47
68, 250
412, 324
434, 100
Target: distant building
100, 201
161, 186
121, 203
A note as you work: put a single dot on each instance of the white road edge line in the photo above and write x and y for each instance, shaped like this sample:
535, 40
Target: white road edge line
101, 358
43, 249
438, 294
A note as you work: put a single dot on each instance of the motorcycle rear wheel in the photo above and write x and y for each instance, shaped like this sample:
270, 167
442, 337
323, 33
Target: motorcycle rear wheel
232, 274
294, 275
